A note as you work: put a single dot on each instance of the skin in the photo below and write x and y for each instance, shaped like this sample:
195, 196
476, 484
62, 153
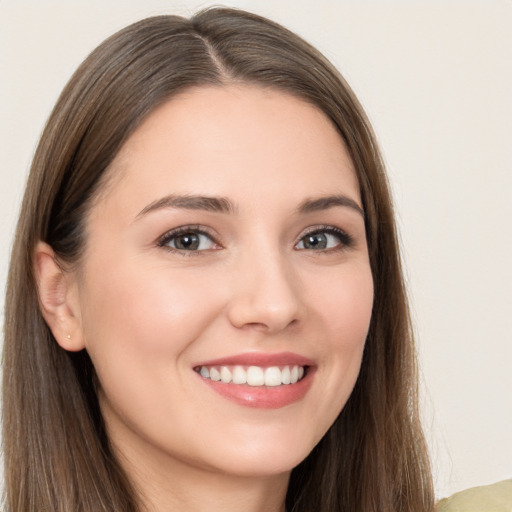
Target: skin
147, 313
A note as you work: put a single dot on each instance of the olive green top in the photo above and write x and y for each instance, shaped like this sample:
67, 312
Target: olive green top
488, 498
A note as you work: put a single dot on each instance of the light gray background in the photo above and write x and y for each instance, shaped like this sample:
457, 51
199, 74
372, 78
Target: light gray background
435, 79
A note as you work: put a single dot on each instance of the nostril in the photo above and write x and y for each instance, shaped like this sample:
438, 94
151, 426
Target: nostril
270, 326
256, 326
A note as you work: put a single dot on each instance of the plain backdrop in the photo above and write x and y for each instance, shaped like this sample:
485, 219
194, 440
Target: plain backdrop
435, 78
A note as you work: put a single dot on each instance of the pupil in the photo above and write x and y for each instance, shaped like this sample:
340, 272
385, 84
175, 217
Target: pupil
188, 241
317, 241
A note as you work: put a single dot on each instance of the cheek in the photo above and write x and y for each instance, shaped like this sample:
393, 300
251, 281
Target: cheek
344, 309
138, 324
146, 314
345, 305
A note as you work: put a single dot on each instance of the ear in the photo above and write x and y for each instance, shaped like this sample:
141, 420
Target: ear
58, 299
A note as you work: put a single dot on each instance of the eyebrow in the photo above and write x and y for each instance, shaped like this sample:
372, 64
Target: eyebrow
190, 202
224, 205
326, 202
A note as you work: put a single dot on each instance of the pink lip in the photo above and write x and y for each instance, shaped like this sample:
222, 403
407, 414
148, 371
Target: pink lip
259, 359
261, 396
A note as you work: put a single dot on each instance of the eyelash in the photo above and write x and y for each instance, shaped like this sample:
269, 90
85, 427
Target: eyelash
345, 240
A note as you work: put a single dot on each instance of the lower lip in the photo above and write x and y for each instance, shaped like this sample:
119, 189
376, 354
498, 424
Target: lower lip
263, 397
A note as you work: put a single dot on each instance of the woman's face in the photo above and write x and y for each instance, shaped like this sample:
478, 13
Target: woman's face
229, 243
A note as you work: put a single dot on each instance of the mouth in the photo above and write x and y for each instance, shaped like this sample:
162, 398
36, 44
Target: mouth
259, 380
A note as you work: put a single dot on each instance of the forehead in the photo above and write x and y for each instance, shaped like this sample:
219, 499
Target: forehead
234, 140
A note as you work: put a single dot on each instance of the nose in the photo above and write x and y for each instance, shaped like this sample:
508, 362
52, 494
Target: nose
265, 294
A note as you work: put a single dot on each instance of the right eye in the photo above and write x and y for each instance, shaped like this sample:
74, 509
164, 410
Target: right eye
187, 239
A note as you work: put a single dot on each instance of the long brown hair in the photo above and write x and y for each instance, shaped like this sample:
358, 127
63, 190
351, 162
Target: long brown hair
57, 455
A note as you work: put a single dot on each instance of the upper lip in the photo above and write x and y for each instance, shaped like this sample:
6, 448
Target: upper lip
260, 359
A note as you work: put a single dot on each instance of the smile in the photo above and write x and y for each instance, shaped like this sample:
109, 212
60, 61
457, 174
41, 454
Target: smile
265, 381
254, 375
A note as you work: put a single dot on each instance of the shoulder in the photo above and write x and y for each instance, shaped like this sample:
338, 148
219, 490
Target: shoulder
488, 498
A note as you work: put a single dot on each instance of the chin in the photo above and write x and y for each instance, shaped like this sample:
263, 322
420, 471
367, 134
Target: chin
262, 457
262, 467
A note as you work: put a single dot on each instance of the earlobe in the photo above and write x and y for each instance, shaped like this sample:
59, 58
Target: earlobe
58, 299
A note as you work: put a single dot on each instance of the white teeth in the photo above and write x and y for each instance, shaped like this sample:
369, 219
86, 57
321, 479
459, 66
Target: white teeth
214, 374
239, 375
294, 377
254, 375
285, 375
273, 376
225, 375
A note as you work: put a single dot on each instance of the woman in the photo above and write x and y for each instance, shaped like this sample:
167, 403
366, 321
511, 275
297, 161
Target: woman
206, 307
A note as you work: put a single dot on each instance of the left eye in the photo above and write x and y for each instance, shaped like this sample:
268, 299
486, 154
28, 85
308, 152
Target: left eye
322, 240
189, 241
